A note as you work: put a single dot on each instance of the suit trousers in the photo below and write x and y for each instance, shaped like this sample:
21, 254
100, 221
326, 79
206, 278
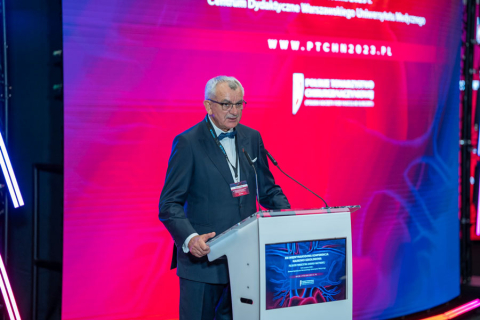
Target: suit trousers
204, 301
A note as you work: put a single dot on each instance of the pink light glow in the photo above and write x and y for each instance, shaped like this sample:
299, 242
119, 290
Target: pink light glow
457, 311
8, 293
477, 229
462, 309
7, 301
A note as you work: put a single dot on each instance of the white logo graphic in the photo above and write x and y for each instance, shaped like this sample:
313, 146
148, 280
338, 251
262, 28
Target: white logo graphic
319, 92
298, 91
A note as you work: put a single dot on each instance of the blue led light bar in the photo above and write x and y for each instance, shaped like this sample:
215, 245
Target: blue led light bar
10, 175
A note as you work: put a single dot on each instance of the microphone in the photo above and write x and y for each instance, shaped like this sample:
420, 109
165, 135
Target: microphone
256, 177
250, 161
275, 163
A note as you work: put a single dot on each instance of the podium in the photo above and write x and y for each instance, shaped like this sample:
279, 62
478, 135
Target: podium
289, 264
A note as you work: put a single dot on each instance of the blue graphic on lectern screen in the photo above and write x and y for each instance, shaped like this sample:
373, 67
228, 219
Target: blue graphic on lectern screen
308, 272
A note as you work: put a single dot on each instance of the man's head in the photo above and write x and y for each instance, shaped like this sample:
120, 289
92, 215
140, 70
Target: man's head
224, 101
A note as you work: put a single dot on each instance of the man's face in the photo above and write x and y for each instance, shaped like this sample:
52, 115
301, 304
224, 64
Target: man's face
229, 119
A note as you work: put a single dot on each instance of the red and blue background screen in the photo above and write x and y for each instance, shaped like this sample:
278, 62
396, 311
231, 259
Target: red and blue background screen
357, 99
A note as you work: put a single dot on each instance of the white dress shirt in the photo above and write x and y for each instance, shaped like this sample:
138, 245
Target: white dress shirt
229, 146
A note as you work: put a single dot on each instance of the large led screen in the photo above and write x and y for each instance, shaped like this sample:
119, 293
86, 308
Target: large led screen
357, 99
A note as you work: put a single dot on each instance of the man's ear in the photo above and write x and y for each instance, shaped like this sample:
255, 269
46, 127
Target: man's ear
208, 107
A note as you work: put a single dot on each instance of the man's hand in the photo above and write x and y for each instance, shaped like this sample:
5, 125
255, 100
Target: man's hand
197, 244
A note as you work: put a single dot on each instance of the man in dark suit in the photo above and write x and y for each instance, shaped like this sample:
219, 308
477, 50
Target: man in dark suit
205, 193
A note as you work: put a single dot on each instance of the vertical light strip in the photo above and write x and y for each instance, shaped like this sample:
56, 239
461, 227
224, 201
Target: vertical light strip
9, 290
7, 180
457, 311
477, 229
10, 171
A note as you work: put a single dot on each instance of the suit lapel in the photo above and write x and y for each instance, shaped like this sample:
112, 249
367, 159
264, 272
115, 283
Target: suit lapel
215, 154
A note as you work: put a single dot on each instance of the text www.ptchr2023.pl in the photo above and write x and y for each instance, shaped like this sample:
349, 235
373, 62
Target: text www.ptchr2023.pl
330, 47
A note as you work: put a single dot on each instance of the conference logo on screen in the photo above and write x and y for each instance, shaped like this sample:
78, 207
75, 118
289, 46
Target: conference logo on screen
320, 92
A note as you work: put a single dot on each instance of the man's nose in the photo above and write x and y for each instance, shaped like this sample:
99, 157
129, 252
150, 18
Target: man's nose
234, 110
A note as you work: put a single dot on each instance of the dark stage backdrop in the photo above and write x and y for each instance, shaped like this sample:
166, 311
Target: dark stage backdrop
357, 99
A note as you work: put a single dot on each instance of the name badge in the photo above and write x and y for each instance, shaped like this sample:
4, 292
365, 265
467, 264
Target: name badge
239, 189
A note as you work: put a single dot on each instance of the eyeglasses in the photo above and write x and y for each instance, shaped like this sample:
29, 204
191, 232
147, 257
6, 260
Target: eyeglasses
226, 106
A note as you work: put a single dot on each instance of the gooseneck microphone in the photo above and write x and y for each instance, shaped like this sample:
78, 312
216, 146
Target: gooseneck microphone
250, 161
275, 163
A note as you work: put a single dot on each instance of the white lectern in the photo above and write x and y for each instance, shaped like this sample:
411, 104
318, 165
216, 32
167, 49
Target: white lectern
289, 264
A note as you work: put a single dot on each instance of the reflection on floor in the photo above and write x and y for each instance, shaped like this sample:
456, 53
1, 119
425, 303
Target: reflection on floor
468, 293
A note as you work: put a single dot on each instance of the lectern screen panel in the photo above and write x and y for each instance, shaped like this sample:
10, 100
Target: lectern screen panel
307, 272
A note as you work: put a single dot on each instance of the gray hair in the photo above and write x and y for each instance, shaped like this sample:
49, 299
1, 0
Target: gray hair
212, 85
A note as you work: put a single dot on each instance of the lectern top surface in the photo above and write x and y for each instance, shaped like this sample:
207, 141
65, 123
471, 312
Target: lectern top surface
293, 212
281, 213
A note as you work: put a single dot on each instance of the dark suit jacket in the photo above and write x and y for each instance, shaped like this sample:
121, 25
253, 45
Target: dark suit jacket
196, 196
